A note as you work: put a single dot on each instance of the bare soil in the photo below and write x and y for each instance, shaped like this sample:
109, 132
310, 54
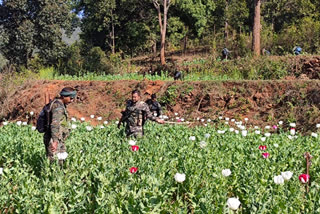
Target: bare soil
263, 102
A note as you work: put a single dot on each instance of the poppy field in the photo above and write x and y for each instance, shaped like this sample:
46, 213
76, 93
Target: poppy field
232, 167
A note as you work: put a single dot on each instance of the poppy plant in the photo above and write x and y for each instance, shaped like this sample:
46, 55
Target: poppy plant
304, 178
134, 148
265, 155
133, 170
262, 147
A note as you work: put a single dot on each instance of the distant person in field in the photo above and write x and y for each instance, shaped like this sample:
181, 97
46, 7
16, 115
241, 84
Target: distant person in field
154, 105
135, 114
297, 50
56, 134
265, 52
177, 75
225, 53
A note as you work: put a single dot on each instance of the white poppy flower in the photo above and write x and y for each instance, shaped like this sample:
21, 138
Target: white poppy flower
286, 175
82, 119
318, 125
280, 122
198, 118
73, 126
267, 127
207, 135
227, 118
246, 119
31, 113
290, 137
242, 127
99, 118
5, 123
177, 118
267, 134
292, 124
244, 133
236, 131
292, 131
33, 128
132, 142
192, 138
62, 156
203, 144
256, 127
232, 120
180, 177
257, 131
226, 172
314, 134
175, 114
24, 123
220, 118
73, 119
233, 203
117, 122
19, 123
205, 124
278, 179
208, 120
202, 120
231, 129
276, 145
263, 139
221, 131
89, 128
226, 122
182, 119
1, 170
101, 127
92, 116
105, 122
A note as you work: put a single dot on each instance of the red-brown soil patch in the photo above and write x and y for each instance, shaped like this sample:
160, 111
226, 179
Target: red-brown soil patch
263, 102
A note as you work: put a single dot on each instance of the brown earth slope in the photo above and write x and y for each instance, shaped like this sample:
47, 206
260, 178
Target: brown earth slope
263, 102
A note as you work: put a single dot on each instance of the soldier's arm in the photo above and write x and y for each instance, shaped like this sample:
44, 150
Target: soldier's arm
57, 118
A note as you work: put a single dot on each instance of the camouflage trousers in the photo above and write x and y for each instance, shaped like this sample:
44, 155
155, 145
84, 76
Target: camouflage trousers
135, 131
52, 148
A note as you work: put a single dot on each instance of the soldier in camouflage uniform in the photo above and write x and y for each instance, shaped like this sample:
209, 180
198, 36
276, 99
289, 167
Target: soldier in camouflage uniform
154, 105
135, 115
58, 131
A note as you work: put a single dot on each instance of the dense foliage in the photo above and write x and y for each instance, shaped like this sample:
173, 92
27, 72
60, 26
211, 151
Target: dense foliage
31, 31
96, 176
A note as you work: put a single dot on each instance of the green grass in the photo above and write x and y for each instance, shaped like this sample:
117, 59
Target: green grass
96, 177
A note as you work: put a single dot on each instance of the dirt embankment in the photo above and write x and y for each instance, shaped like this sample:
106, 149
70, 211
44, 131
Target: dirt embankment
263, 102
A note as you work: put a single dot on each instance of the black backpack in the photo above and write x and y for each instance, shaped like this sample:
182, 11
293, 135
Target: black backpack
44, 119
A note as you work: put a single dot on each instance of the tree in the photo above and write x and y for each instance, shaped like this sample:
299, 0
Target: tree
256, 28
33, 26
163, 25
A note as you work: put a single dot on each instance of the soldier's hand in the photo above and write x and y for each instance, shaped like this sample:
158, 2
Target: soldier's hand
160, 121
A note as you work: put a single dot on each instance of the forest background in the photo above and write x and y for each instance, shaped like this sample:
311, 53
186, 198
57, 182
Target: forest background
112, 33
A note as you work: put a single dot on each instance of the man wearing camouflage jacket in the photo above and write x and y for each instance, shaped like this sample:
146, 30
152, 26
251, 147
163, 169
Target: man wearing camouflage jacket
59, 130
135, 115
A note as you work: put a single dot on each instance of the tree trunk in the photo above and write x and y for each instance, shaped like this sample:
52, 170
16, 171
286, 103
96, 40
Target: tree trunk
226, 26
163, 27
256, 29
113, 40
